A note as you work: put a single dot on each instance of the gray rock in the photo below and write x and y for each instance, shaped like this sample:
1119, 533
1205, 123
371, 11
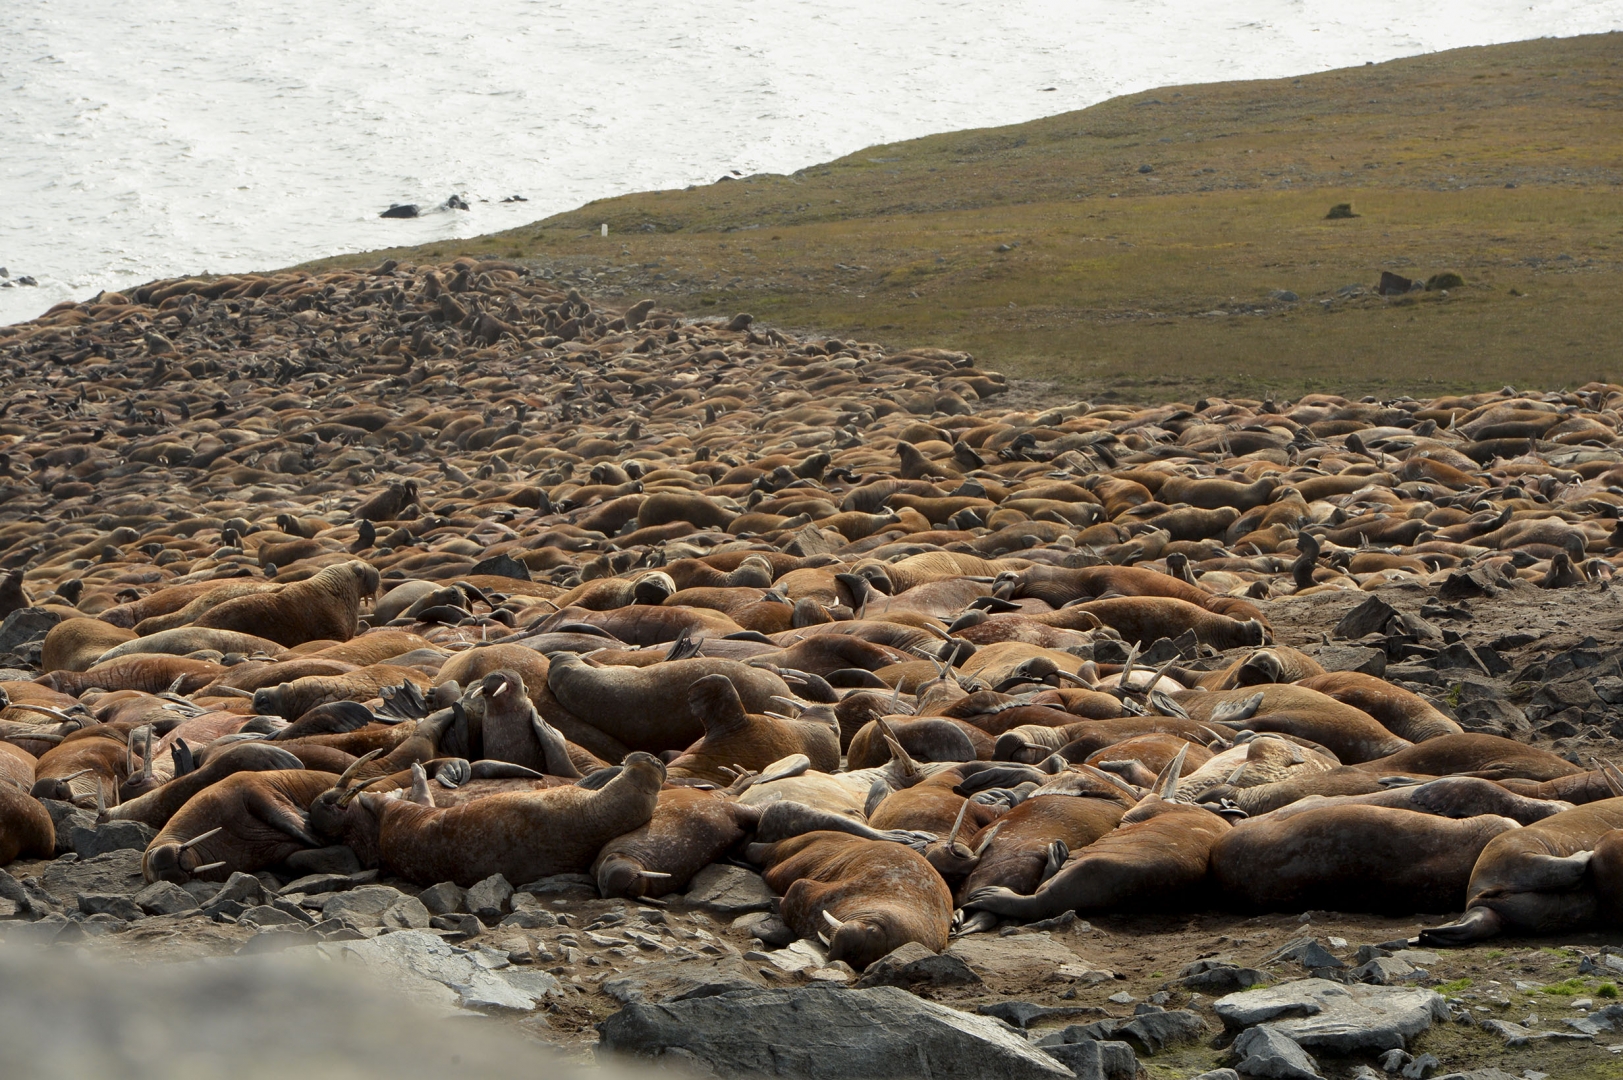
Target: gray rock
448, 974
1214, 976
1517, 1035
683, 980
1025, 957
1352, 658
766, 928
25, 626
1383, 970
275, 939
1267, 1052
1217, 1074
1308, 952
117, 873
825, 1033
443, 899
1020, 1014
1323, 1015
361, 907
245, 889
165, 898
96, 840
728, 890
1490, 1073
316, 884
1096, 1060
1393, 1060
42, 931
562, 887
1369, 617
488, 899
1600, 1022
406, 913
334, 859
1421, 1067
1153, 1028
265, 917
463, 924
119, 907
67, 817
912, 964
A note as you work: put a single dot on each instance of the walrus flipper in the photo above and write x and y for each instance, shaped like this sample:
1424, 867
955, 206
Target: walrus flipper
1477, 924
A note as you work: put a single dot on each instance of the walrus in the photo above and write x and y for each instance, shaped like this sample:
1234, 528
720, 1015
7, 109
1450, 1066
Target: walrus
1406, 715
190, 639
26, 830
865, 898
1351, 858
735, 739
691, 828
511, 730
156, 807
648, 708
1473, 754
324, 606
927, 738
1147, 619
153, 674
1446, 796
1351, 734
522, 836
247, 822
1036, 837
75, 644
1537, 879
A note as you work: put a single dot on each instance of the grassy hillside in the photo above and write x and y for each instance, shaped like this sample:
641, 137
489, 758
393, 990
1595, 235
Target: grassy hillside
1140, 247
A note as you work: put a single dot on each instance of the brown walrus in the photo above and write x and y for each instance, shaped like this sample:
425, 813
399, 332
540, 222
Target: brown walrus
735, 739
1351, 858
246, 822
326, 606
691, 828
522, 835
866, 898
25, 826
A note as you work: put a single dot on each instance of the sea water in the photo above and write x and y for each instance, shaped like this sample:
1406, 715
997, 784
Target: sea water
158, 138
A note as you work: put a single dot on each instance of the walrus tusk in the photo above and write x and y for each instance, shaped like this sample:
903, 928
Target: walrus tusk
1613, 777
229, 691
1069, 676
206, 867
199, 838
1166, 785
986, 841
829, 918
652, 875
500, 690
349, 773
55, 714
958, 824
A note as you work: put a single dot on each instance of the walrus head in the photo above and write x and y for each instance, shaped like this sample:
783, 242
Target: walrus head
859, 942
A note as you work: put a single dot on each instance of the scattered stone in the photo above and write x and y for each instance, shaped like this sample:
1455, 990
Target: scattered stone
1369, 617
1021, 1014
243, 889
728, 890
463, 925
25, 626
1393, 1060
913, 964
489, 899
165, 898
443, 899
1308, 952
316, 884
116, 873
562, 887
119, 907
682, 980
1600, 1022
1323, 1015
406, 913
1216, 976
765, 927
826, 1034
1096, 1060
96, 840
1153, 1028
1519, 1035
1421, 1067
1265, 1051
67, 818
1024, 957
361, 907
448, 974
1383, 970
1352, 658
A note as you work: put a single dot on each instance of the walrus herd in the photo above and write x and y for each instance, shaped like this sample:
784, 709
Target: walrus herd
449, 571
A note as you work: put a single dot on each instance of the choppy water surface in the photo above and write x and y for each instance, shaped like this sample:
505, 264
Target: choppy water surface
159, 138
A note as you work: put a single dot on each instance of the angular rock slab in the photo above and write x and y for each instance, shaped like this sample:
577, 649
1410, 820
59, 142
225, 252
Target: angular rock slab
1265, 1052
823, 1033
468, 977
1322, 1015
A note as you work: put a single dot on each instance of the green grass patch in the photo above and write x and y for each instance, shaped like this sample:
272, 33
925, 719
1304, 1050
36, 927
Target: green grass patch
1606, 990
1042, 248
1449, 989
1566, 988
